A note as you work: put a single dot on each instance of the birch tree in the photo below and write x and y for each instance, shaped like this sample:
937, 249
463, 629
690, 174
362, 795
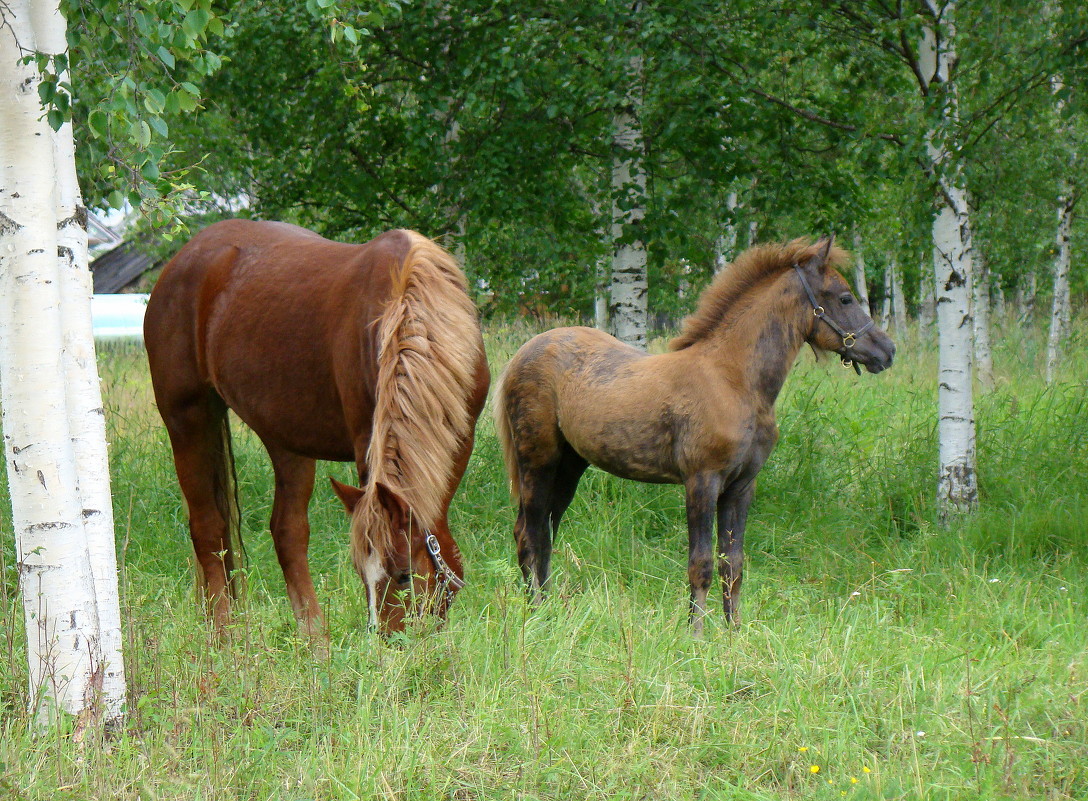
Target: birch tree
1067, 199
957, 482
54, 434
861, 286
628, 308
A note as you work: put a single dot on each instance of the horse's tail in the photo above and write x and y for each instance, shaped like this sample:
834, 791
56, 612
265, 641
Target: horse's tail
225, 482
429, 350
505, 436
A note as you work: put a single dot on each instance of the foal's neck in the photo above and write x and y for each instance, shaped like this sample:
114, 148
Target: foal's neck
757, 343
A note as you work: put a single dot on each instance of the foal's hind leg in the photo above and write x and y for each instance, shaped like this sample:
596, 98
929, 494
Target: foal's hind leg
291, 535
546, 494
532, 532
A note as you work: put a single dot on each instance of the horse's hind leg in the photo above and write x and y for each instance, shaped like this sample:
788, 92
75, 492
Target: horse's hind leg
546, 492
570, 470
200, 438
532, 531
291, 535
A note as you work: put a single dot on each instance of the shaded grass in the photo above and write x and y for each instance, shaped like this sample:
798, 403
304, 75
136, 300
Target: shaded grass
948, 663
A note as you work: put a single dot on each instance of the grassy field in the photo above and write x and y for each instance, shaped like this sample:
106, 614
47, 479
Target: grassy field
881, 656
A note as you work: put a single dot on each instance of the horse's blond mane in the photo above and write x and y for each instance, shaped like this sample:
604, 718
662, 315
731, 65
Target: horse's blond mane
750, 268
428, 350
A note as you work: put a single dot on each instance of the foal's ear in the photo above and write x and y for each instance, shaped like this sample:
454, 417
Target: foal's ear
348, 495
394, 505
819, 258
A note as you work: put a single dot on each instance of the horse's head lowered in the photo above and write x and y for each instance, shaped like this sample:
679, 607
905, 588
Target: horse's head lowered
408, 570
839, 323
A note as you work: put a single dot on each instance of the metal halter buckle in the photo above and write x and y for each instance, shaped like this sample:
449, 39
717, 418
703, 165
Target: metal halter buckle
450, 578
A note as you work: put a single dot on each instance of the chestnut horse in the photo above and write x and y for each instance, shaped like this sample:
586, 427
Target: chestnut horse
368, 353
701, 415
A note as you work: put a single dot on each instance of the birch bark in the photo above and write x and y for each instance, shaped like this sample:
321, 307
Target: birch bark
861, 287
725, 246
52, 410
983, 352
1059, 308
899, 302
629, 302
957, 480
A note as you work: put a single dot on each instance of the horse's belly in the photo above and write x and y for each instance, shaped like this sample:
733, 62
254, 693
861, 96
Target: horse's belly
628, 451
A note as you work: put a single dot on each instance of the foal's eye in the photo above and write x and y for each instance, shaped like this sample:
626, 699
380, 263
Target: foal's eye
846, 300
404, 579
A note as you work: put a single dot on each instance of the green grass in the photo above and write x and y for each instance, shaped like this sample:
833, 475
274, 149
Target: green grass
904, 660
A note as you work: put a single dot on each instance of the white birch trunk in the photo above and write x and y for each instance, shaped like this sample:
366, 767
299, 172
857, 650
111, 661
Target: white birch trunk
861, 286
1059, 309
87, 419
927, 310
629, 302
886, 301
1025, 297
600, 297
957, 480
725, 246
899, 301
47, 372
983, 353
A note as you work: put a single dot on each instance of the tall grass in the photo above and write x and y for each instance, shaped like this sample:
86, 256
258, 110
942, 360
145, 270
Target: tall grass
881, 656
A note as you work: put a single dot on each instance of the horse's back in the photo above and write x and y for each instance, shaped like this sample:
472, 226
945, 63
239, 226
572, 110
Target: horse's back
277, 321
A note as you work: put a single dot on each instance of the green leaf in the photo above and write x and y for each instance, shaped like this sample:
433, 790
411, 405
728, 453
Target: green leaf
194, 23
116, 199
140, 133
55, 119
47, 90
98, 123
166, 57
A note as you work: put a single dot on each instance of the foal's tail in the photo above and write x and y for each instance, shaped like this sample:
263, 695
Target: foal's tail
505, 436
429, 351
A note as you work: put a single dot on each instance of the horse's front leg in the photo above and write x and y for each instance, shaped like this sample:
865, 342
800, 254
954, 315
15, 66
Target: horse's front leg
700, 496
732, 516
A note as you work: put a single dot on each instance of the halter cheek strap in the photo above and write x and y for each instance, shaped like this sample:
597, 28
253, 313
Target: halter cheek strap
450, 580
848, 337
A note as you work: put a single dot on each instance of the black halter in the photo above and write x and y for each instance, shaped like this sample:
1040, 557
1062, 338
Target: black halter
848, 337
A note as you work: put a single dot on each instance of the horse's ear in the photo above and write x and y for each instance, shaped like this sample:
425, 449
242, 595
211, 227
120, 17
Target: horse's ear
348, 495
394, 505
819, 258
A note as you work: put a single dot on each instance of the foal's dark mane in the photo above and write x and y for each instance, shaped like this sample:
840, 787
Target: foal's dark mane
750, 268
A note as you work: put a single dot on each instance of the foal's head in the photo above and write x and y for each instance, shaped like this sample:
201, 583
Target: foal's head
839, 323
409, 571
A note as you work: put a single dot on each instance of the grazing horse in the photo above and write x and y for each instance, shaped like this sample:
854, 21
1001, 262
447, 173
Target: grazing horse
701, 415
368, 353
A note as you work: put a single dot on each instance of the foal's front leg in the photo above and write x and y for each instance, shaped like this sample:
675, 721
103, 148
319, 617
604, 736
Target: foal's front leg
732, 516
700, 498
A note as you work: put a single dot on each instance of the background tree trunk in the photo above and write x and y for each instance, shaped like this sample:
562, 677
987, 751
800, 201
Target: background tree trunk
899, 302
861, 286
628, 308
983, 352
957, 480
1059, 307
725, 246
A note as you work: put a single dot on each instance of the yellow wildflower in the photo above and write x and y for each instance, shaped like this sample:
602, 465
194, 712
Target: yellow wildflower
814, 769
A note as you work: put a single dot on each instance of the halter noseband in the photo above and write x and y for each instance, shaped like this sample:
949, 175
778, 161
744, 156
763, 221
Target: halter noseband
450, 580
848, 337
